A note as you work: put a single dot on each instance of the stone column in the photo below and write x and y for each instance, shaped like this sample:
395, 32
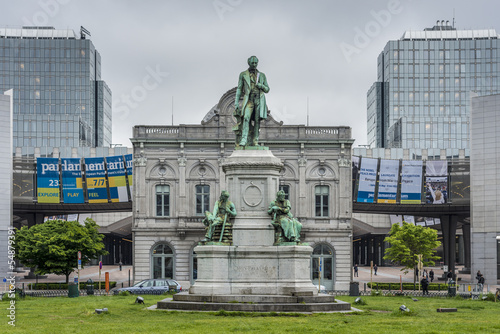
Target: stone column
252, 180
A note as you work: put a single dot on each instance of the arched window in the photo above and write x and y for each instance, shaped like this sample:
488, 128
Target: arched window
162, 258
323, 254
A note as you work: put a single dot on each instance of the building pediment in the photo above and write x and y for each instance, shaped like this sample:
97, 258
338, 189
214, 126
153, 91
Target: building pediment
222, 113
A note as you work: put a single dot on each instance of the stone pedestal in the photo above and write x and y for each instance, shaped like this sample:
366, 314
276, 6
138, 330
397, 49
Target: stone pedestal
253, 270
252, 265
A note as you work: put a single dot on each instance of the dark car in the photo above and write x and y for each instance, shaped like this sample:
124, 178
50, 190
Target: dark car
152, 286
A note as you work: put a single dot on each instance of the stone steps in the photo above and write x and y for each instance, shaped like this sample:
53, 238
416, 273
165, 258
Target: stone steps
254, 303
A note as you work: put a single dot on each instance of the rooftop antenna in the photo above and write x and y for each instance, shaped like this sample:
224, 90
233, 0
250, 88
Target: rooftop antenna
172, 110
308, 111
84, 32
453, 22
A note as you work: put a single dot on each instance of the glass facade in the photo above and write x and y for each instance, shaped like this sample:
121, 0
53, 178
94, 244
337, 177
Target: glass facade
422, 95
59, 97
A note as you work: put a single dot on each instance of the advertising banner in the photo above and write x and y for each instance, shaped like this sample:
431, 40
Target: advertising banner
388, 181
72, 187
436, 180
129, 163
116, 179
411, 182
48, 180
95, 175
367, 180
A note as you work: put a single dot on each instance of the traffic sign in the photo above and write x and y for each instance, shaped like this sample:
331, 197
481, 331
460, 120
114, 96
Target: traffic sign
79, 255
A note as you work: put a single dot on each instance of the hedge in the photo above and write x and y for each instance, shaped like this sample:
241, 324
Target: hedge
407, 286
64, 286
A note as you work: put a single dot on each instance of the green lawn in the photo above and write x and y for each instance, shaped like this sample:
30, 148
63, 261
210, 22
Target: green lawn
380, 315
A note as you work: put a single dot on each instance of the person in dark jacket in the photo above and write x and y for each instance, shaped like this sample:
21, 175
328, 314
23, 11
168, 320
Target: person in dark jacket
425, 284
431, 275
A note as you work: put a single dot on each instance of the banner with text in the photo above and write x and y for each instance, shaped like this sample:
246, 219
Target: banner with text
95, 175
116, 179
367, 180
129, 163
48, 180
72, 186
411, 182
388, 181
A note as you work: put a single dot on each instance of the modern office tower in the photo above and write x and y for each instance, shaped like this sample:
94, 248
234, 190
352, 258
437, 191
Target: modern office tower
59, 98
421, 99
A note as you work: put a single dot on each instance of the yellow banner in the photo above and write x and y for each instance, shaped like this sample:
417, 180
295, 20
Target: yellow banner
48, 195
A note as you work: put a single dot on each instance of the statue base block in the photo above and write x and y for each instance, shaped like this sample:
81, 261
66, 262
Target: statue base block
253, 270
299, 302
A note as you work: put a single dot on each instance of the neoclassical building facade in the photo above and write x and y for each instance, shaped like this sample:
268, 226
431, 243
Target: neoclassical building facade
178, 176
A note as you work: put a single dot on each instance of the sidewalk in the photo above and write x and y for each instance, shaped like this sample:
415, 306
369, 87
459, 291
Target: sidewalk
91, 272
393, 274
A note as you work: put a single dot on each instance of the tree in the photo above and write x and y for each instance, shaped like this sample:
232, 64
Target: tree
409, 240
52, 247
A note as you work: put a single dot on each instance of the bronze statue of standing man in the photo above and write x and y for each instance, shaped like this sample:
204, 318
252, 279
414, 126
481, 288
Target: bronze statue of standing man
252, 85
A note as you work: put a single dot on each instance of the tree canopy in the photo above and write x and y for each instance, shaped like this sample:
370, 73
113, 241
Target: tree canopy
407, 241
53, 246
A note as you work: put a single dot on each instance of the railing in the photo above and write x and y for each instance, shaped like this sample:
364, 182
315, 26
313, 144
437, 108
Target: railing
322, 131
168, 130
267, 134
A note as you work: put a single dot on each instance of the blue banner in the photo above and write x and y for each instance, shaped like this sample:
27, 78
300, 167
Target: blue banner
116, 179
72, 187
367, 180
95, 175
48, 180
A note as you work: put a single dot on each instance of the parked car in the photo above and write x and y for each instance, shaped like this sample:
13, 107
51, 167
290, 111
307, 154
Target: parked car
152, 286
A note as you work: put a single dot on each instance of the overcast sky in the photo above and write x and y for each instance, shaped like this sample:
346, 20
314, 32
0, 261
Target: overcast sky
193, 51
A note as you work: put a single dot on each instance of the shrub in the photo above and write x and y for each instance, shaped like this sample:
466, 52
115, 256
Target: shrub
64, 286
407, 286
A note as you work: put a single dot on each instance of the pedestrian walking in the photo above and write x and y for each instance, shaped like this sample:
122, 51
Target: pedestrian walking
356, 270
480, 283
431, 275
375, 268
449, 276
425, 284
